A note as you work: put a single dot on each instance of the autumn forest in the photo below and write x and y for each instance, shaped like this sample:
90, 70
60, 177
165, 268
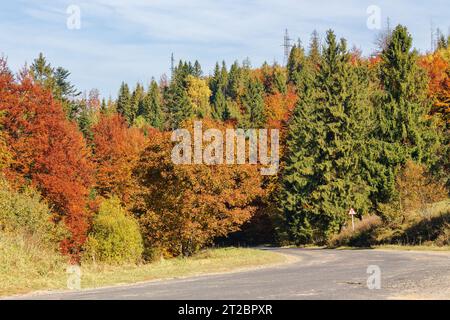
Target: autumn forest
91, 179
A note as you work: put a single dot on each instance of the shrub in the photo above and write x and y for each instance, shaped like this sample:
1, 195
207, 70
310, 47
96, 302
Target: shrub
26, 214
444, 237
115, 237
364, 235
29, 241
28, 264
428, 230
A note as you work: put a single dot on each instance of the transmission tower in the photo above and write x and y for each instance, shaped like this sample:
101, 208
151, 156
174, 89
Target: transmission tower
432, 36
287, 47
172, 66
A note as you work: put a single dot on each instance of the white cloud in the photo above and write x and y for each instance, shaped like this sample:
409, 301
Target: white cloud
132, 40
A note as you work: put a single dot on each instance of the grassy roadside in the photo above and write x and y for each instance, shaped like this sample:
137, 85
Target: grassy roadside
93, 276
413, 248
398, 248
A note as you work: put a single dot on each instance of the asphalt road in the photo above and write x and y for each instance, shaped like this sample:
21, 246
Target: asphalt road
311, 274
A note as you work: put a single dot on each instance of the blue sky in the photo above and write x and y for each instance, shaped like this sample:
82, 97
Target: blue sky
133, 40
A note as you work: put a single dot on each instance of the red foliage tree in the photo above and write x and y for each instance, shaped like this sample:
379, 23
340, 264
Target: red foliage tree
117, 148
48, 152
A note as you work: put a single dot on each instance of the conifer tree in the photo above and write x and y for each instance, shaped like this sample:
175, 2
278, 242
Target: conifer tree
177, 105
85, 121
403, 107
124, 102
404, 131
254, 108
314, 52
295, 63
136, 100
279, 79
234, 81
219, 106
103, 107
197, 72
214, 83
322, 178
42, 72
151, 107
65, 89
56, 80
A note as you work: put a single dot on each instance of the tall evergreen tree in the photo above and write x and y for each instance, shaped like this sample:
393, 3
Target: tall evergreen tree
279, 79
85, 121
404, 131
64, 87
254, 108
234, 81
403, 107
136, 99
322, 177
43, 72
124, 102
151, 106
57, 80
314, 52
103, 107
197, 71
295, 63
177, 105
219, 106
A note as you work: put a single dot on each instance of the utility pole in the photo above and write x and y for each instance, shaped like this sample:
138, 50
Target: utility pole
287, 47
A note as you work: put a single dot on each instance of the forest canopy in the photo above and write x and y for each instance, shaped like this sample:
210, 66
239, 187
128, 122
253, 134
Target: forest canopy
355, 132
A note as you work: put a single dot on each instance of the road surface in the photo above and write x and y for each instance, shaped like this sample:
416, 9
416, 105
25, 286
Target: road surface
311, 274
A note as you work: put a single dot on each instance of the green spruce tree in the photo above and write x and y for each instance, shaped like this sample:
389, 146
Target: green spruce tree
314, 52
137, 98
151, 107
403, 106
124, 102
254, 109
177, 105
296, 63
322, 177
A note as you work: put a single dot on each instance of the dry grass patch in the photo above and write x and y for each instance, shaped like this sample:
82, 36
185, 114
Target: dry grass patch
94, 276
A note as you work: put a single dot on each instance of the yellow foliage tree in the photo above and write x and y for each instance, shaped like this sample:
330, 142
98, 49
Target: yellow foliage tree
199, 94
417, 190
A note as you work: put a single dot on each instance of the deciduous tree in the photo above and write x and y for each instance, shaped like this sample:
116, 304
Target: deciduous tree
116, 151
47, 151
184, 207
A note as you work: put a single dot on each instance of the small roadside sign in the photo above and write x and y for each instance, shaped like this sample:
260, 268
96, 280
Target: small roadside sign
352, 212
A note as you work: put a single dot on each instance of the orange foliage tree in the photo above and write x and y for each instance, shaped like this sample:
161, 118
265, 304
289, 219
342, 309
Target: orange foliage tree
437, 66
47, 152
116, 151
184, 207
279, 107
